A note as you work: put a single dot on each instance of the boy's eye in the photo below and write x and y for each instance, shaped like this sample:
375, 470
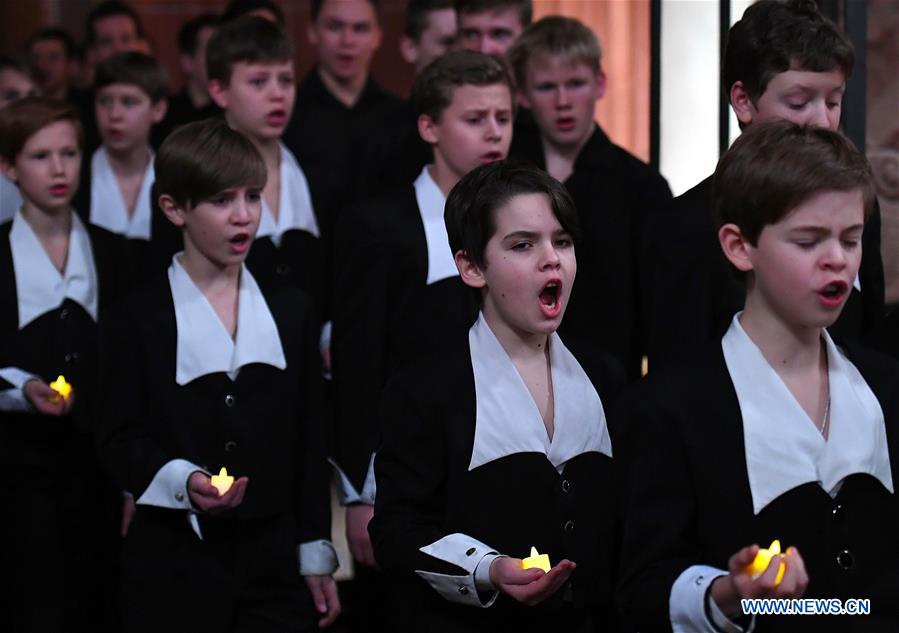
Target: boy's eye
362, 28
564, 242
39, 155
544, 87
470, 34
70, 153
129, 102
806, 244
797, 106
576, 83
833, 104
521, 246
257, 82
254, 196
504, 118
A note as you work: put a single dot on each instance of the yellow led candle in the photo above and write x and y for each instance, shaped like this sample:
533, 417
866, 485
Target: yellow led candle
540, 561
758, 566
222, 481
62, 388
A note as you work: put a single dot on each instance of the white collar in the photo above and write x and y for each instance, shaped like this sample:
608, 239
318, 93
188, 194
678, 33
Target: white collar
10, 199
508, 420
784, 449
295, 210
204, 346
108, 208
40, 287
431, 204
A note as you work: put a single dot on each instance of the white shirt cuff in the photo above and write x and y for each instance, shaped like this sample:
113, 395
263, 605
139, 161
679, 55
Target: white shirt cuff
317, 558
14, 400
346, 491
16, 377
169, 490
465, 552
687, 604
482, 572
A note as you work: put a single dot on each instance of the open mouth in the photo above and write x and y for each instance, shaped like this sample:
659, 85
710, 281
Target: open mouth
549, 296
834, 292
565, 123
276, 117
59, 190
490, 157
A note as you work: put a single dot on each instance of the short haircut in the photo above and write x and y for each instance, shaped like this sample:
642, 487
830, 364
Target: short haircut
525, 7
109, 9
201, 159
22, 119
189, 33
471, 206
554, 36
134, 68
436, 84
417, 14
775, 36
318, 4
238, 8
57, 34
775, 166
250, 39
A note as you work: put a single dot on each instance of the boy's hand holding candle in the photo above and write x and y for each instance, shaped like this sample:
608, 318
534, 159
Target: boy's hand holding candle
207, 497
528, 586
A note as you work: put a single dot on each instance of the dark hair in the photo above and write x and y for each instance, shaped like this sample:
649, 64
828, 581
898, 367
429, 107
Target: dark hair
775, 36
189, 32
22, 119
109, 9
53, 33
239, 8
775, 166
525, 7
136, 69
471, 206
250, 39
318, 4
203, 158
436, 84
15, 63
417, 14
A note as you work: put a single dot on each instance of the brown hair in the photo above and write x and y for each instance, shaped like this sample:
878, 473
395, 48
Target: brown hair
554, 36
22, 119
201, 159
775, 166
525, 7
435, 86
136, 69
250, 39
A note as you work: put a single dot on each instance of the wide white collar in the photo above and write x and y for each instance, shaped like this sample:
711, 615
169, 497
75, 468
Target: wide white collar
40, 287
108, 206
295, 210
784, 448
204, 346
508, 421
431, 204
10, 199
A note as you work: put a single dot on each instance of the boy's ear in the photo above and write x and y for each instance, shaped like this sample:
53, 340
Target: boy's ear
600, 85
522, 97
471, 273
173, 211
159, 109
741, 103
408, 49
736, 247
8, 169
218, 92
311, 34
427, 129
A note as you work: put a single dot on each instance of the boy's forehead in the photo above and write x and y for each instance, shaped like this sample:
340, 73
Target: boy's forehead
352, 11
797, 78
277, 66
112, 25
122, 89
498, 16
471, 95
558, 63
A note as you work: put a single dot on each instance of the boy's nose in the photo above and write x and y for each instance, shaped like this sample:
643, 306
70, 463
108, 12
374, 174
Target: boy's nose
819, 117
562, 98
56, 164
494, 129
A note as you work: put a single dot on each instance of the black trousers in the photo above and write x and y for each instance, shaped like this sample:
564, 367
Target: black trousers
242, 576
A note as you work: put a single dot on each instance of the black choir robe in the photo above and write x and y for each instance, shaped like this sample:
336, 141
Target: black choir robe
426, 491
613, 191
385, 316
691, 292
340, 147
688, 500
54, 488
266, 424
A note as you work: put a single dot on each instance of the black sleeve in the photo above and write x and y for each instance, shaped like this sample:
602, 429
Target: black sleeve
358, 341
123, 436
410, 468
658, 510
313, 506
